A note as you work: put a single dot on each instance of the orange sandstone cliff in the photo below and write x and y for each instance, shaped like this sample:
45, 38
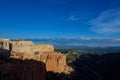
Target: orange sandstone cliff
25, 51
55, 62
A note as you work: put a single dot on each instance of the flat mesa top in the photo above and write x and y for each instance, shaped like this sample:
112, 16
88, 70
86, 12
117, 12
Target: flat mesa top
3, 39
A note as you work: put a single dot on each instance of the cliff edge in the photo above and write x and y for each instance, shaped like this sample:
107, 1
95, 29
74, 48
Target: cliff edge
20, 49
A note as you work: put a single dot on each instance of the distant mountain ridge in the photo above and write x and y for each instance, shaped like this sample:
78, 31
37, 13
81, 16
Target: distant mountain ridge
79, 42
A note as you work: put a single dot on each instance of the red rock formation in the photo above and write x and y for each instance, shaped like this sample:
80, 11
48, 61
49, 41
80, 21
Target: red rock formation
55, 62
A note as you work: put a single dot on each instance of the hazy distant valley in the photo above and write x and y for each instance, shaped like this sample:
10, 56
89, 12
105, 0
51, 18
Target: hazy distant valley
90, 45
90, 42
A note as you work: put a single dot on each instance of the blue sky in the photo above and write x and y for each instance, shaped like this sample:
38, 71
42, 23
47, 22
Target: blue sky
59, 18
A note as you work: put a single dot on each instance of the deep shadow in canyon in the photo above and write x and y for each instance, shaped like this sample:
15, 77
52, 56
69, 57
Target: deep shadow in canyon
97, 67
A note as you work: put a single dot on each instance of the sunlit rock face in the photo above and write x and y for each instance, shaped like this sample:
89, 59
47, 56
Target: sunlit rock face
20, 49
29, 47
4, 44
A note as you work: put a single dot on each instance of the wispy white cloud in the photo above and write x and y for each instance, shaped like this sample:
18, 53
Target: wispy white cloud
73, 18
85, 38
108, 22
118, 40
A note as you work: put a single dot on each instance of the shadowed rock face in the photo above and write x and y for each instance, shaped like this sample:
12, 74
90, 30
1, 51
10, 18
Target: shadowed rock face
17, 69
